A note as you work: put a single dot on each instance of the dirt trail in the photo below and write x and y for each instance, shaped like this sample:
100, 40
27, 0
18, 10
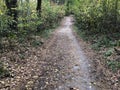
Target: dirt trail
67, 66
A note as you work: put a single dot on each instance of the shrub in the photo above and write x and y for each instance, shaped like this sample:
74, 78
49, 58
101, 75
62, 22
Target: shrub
3, 72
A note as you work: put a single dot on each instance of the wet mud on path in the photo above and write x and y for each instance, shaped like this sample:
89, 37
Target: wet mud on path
67, 66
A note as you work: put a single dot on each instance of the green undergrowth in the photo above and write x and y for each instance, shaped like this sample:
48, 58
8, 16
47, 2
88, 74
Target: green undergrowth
113, 65
100, 40
3, 72
46, 33
29, 24
109, 52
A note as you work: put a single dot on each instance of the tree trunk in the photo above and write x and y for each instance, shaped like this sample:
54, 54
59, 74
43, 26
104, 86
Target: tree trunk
12, 11
39, 3
116, 9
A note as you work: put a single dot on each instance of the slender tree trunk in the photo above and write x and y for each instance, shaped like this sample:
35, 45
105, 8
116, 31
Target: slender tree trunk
38, 9
12, 11
116, 8
39, 4
28, 8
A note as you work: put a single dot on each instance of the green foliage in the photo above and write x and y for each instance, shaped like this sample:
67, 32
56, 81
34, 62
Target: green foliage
109, 52
114, 65
29, 22
36, 43
4, 21
51, 14
3, 72
101, 16
99, 40
98, 21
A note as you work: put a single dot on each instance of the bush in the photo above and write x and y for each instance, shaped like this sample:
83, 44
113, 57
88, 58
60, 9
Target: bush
3, 72
97, 16
29, 22
49, 17
114, 65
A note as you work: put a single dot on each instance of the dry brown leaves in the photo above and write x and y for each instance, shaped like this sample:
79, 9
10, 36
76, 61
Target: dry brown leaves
24, 64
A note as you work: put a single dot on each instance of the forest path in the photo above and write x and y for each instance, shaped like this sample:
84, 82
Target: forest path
67, 67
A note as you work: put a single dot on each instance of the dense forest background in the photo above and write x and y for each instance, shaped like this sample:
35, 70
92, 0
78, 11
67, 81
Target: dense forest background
16, 17
98, 17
